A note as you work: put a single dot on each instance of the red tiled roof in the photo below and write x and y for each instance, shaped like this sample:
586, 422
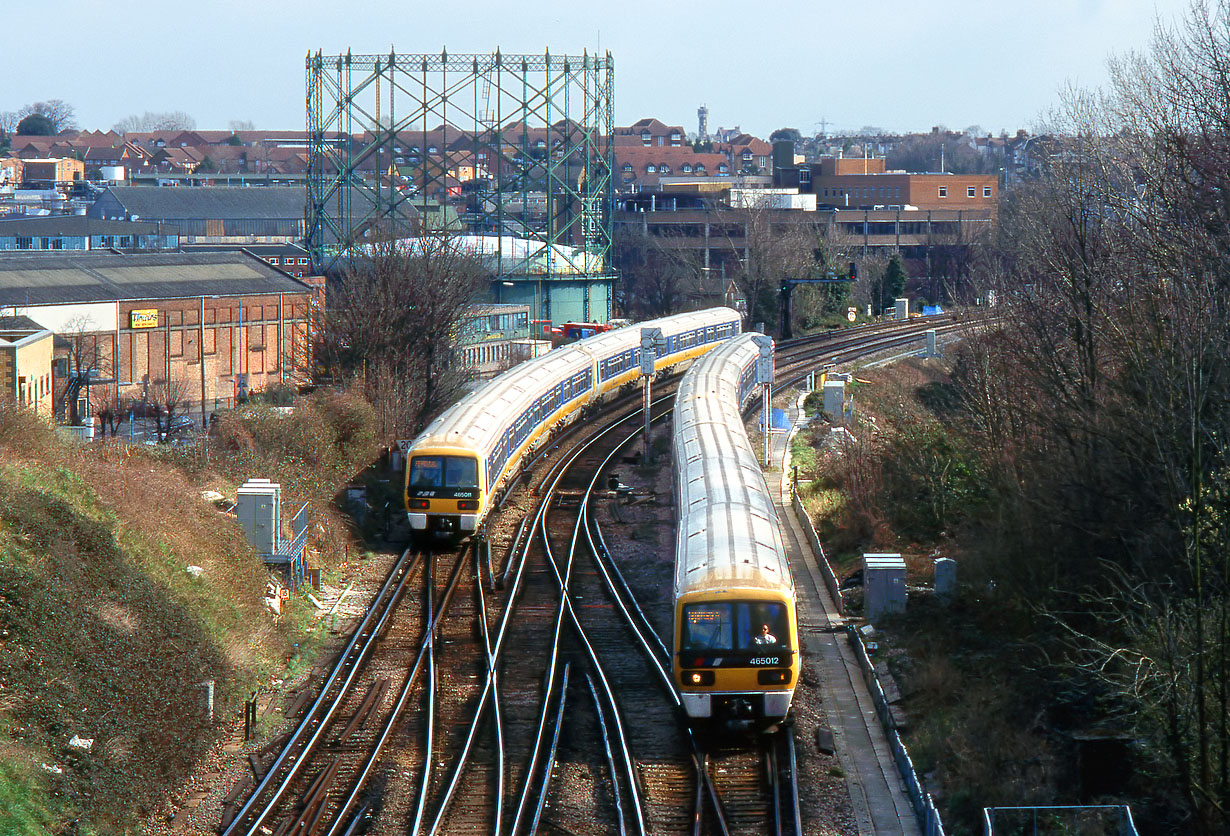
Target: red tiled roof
675, 158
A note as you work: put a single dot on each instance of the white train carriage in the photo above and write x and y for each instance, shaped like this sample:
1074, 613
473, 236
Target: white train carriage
736, 656
469, 453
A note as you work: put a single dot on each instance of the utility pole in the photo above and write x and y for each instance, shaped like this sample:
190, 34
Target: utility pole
651, 339
200, 344
764, 376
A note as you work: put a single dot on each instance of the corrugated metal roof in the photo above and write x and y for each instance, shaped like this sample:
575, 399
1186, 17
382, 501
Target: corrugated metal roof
214, 202
230, 203
104, 278
79, 225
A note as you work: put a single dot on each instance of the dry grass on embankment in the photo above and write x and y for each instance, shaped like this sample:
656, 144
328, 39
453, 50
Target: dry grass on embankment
106, 635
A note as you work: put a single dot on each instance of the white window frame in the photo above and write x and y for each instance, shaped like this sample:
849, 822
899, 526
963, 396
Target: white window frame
943, 191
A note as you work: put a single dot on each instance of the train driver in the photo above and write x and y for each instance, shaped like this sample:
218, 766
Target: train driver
766, 637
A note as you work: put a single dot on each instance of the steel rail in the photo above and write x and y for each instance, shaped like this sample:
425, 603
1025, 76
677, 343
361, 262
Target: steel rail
490, 693
793, 764
704, 781
551, 752
396, 579
610, 755
512, 551
640, 624
497, 719
562, 579
774, 778
489, 685
403, 697
555, 473
429, 743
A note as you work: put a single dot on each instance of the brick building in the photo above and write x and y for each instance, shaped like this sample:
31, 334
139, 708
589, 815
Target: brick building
865, 183
201, 328
50, 172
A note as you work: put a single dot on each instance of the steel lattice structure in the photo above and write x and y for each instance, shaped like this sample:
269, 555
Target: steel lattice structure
514, 150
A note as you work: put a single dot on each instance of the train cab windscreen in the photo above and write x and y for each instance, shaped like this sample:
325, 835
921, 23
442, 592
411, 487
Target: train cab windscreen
451, 476
733, 627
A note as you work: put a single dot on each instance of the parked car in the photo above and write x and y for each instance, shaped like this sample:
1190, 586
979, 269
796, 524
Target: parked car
145, 409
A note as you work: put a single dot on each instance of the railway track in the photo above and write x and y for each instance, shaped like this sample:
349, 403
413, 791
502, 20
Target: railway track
532, 696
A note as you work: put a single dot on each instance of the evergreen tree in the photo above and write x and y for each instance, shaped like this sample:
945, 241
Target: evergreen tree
893, 283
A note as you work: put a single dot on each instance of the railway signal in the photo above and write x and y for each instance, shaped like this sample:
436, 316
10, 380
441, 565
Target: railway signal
651, 341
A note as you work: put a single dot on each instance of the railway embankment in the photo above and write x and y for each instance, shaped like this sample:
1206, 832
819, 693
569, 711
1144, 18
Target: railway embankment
986, 717
133, 617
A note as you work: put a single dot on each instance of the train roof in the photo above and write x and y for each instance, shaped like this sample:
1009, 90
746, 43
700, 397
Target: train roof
475, 422
719, 371
730, 547
729, 534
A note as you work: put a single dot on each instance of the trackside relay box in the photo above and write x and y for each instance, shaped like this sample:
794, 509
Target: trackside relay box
258, 507
883, 585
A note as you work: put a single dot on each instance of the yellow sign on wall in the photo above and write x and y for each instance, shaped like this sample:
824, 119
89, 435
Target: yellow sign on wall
143, 319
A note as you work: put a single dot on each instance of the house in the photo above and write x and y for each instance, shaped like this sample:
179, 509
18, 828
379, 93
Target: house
643, 167
650, 133
51, 172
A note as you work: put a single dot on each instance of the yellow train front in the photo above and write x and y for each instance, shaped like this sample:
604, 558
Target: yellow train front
736, 641
443, 485
736, 659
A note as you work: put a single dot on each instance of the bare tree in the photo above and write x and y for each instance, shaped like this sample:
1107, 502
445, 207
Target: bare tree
8, 121
112, 408
89, 362
661, 274
60, 113
393, 326
170, 399
241, 125
1104, 401
175, 120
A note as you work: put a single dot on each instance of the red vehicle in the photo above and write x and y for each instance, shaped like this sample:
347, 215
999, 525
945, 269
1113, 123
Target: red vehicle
580, 330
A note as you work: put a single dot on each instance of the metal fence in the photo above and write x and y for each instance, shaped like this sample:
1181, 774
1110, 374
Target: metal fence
830, 579
292, 553
1088, 820
920, 799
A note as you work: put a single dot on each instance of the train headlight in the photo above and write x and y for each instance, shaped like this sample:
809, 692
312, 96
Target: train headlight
467, 505
698, 677
418, 504
774, 676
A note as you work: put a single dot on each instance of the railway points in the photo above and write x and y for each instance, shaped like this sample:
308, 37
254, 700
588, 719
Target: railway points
487, 642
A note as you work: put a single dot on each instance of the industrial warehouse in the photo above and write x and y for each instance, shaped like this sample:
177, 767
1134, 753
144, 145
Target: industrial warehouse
200, 329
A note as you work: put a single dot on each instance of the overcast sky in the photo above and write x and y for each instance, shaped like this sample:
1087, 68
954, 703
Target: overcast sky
903, 65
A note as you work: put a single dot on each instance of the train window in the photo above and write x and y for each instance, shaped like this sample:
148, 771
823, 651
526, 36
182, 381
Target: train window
735, 626
426, 472
460, 472
443, 472
707, 627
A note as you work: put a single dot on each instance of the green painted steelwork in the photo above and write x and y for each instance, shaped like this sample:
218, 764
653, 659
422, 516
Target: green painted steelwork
520, 146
